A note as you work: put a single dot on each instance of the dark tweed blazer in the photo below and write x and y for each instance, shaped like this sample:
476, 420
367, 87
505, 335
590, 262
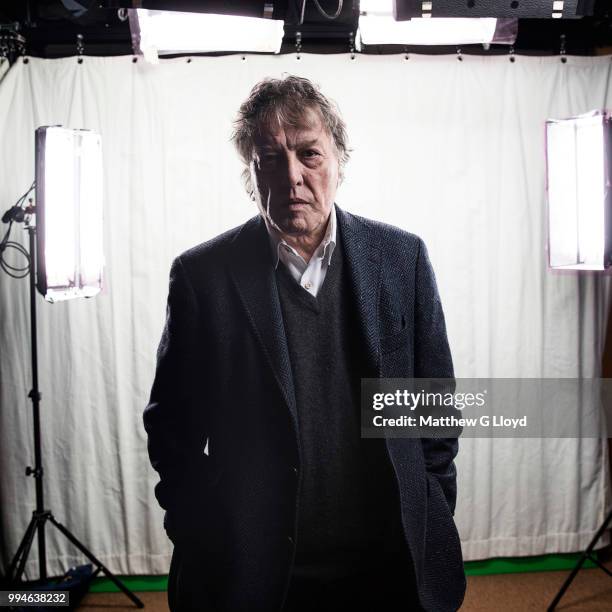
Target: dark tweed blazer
222, 421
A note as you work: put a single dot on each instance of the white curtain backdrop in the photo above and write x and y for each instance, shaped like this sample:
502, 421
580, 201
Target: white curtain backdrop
450, 150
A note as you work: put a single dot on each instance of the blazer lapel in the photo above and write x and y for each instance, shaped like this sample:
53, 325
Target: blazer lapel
362, 257
252, 270
253, 273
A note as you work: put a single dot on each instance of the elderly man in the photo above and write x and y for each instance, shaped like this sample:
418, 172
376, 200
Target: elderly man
273, 500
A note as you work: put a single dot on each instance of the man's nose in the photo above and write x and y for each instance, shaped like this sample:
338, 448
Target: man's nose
294, 170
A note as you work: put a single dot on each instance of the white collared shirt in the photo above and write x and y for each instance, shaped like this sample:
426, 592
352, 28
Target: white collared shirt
312, 274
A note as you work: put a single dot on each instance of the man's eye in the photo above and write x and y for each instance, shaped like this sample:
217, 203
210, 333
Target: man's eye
267, 160
310, 153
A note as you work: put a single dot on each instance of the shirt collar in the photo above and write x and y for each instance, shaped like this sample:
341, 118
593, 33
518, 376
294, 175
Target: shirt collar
324, 251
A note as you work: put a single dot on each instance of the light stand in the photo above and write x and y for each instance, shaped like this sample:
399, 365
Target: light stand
578, 171
40, 516
585, 555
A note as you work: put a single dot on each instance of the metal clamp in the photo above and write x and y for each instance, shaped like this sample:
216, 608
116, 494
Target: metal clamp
562, 40
80, 47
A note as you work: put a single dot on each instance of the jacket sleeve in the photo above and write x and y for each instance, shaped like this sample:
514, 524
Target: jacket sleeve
433, 360
173, 418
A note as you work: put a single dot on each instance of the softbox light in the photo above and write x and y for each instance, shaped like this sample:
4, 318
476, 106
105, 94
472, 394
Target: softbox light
377, 26
170, 32
578, 176
69, 235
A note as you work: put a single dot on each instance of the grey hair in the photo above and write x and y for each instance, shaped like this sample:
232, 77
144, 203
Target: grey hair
285, 102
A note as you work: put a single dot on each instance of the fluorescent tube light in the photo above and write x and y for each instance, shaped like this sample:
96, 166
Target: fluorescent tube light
579, 199
169, 32
68, 213
378, 27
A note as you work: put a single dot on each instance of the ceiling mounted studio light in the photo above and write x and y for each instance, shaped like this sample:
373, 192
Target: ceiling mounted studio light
578, 156
169, 32
377, 26
68, 213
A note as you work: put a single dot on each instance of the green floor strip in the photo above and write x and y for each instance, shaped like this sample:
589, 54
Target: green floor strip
513, 565
134, 583
543, 563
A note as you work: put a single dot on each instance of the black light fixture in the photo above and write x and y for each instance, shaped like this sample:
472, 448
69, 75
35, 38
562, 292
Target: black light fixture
378, 26
516, 9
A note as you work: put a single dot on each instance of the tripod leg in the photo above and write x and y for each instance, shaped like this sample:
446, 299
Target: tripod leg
585, 555
20, 549
98, 564
21, 556
42, 551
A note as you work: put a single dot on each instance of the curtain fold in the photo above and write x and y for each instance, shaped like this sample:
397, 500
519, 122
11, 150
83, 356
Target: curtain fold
452, 151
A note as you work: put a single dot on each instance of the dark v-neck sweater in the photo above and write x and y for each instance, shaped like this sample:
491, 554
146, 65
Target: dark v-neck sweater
346, 497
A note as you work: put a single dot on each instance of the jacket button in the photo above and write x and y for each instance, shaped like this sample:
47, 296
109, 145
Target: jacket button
290, 540
295, 470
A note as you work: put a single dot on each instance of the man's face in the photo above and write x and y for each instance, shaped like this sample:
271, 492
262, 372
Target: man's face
296, 175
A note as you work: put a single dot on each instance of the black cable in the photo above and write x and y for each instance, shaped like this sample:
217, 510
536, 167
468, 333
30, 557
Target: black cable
18, 247
5, 243
25, 195
7, 267
6, 236
302, 11
324, 14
